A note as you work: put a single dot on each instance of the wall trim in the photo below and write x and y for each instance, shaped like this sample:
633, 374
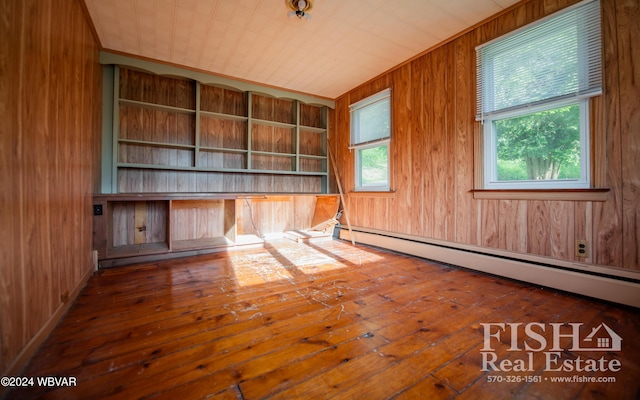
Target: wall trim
605, 283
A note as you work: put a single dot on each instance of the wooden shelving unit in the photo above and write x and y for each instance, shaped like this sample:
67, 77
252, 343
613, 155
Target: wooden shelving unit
170, 123
151, 226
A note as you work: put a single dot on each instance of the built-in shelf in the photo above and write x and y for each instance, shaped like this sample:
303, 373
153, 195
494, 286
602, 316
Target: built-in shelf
182, 245
153, 106
273, 123
229, 117
138, 249
223, 150
168, 123
147, 226
157, 144
313, 129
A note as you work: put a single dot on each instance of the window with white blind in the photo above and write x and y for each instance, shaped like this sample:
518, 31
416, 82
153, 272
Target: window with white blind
370, 138
533, 87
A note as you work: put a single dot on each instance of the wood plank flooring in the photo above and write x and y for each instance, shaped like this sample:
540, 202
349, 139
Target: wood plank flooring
315, 321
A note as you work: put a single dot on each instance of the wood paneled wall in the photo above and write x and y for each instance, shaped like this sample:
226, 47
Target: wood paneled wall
433, 163
50, 113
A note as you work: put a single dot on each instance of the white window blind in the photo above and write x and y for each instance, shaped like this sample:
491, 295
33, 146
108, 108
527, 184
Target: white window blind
554, 58
371, 119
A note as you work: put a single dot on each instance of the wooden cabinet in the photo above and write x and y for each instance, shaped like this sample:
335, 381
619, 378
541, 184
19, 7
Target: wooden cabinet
202, 223
167, 124
137, 227
144, 227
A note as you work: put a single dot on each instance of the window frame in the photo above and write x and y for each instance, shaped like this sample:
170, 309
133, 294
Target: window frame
490, 170
357, 145
488, 174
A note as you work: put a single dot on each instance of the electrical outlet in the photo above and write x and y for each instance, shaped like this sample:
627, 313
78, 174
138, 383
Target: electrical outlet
582, 248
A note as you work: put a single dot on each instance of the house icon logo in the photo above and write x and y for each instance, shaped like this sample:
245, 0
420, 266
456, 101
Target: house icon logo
602, 338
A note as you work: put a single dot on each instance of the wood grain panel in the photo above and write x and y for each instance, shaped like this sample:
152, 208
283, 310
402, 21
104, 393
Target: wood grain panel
49, 166
222, 133
429, 117
272, 139
490, 224
303, 211
512, 231
628, 30
383, 213
36, 130
223, 101
312, 143
272, 109
156, 89
267, 216
418, 133
65, 91
608, 215
143, 154
465, 222
562, 229
312, 116
12, 318
441, 162
402, 178
538, 220
219, 159
450, 146
122, 228
361, 212
312, 165
342, 159
272, 163
197, 219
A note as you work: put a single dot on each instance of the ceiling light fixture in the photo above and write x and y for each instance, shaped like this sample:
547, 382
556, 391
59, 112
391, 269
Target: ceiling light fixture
300, 8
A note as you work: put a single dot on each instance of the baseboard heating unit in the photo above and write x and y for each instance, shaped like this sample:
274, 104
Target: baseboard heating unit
605, 283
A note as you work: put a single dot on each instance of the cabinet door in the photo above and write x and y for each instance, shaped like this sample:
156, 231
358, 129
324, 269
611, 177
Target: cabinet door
137, 227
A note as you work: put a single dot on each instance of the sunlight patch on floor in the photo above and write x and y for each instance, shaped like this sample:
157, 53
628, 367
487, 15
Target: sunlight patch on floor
283, 261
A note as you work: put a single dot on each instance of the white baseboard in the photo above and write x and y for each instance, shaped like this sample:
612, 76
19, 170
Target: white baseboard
608, 284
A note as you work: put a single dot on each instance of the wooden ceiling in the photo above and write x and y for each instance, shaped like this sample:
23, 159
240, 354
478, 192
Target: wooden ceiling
344, 44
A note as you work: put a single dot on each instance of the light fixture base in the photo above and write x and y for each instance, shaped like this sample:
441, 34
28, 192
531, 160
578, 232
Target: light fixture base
299, 8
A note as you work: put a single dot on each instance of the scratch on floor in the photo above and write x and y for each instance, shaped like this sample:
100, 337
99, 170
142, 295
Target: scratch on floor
341, 310
256, 315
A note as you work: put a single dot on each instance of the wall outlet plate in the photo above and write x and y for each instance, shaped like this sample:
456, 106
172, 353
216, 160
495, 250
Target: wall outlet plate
582, 248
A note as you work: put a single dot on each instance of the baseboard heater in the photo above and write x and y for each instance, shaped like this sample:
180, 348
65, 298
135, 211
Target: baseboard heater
610, 284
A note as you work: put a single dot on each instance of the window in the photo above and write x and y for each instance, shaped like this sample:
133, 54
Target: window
370, 137
533, 90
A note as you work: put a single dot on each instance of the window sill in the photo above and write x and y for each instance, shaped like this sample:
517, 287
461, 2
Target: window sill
543, 194
380, 194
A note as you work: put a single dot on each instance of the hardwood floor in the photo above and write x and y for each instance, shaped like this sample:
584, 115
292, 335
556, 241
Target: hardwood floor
318, 320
